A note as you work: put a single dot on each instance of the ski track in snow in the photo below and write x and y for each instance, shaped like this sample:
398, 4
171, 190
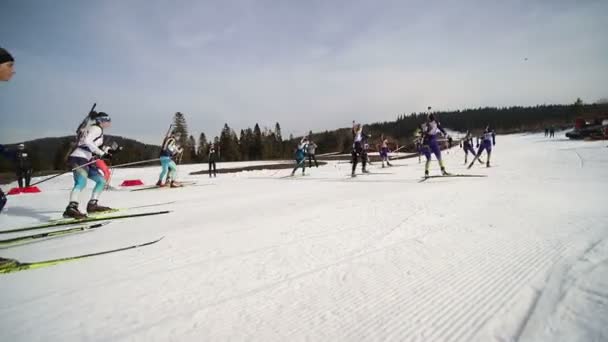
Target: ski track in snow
519, 255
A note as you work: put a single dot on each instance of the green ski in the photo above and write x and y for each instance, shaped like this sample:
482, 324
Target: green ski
12, 265
22, 239
85, 220
99, 214
450, 175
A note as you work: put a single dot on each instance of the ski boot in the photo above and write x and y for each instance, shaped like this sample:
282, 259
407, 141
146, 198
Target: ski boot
488, 163
389, 164
71, 211
175, 184
353, 175
93, 207
426, 173
7, 263
364, 171
444, 172
160, 184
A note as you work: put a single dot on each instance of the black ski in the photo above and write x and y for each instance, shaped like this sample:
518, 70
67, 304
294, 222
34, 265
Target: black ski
68, 222
21, 239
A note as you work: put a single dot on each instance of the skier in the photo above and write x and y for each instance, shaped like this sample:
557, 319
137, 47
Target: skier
169, 150
430, 145
485, 142
467, 146
384, 150
359, 140
366, 149
212, 159
310, 153
450, 141
7, 71
418, 141
300, 156
23, 166
551, 132
83, 160
7, 63
101, 164
2, 195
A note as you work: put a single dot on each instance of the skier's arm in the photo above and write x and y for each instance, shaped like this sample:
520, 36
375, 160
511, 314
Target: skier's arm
441, 129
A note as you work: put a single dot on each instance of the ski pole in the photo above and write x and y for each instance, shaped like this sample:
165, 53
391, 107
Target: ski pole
63, 173
135, 163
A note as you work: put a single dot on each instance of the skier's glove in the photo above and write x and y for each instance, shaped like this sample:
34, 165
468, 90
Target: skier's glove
115, 150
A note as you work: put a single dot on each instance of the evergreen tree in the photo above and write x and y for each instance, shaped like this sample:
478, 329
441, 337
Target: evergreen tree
190, 150
180, 129
257, 143
244, 145
277, 132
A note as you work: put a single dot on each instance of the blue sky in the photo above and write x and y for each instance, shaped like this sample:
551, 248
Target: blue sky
310, 65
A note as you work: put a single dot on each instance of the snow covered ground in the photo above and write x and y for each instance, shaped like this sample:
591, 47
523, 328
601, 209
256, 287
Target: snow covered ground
519, 255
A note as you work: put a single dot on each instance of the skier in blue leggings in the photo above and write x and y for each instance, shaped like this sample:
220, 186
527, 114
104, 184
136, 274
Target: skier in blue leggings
169, 150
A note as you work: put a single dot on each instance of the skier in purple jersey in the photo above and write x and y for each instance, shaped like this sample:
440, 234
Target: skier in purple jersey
467, 146
486, 141
384, 150
430, 145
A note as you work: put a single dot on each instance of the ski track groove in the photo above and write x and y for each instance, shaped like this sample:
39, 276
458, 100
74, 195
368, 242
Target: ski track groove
244, 294
439, 303
582, 162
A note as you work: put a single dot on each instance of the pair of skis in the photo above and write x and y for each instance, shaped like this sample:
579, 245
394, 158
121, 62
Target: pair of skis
155, 187
448, 175
11, 265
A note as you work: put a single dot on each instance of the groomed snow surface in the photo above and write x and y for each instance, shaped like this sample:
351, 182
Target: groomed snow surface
521, 255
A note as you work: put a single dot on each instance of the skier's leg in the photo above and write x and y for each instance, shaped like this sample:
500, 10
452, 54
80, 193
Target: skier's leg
80, 181
164, 162
295, 168
427, 154
489, 149
95, 175
437, 152
2, 200
363, 161
172, 170
19, 174
28, 178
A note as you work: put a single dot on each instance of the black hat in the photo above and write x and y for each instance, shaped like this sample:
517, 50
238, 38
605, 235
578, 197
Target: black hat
5, 56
